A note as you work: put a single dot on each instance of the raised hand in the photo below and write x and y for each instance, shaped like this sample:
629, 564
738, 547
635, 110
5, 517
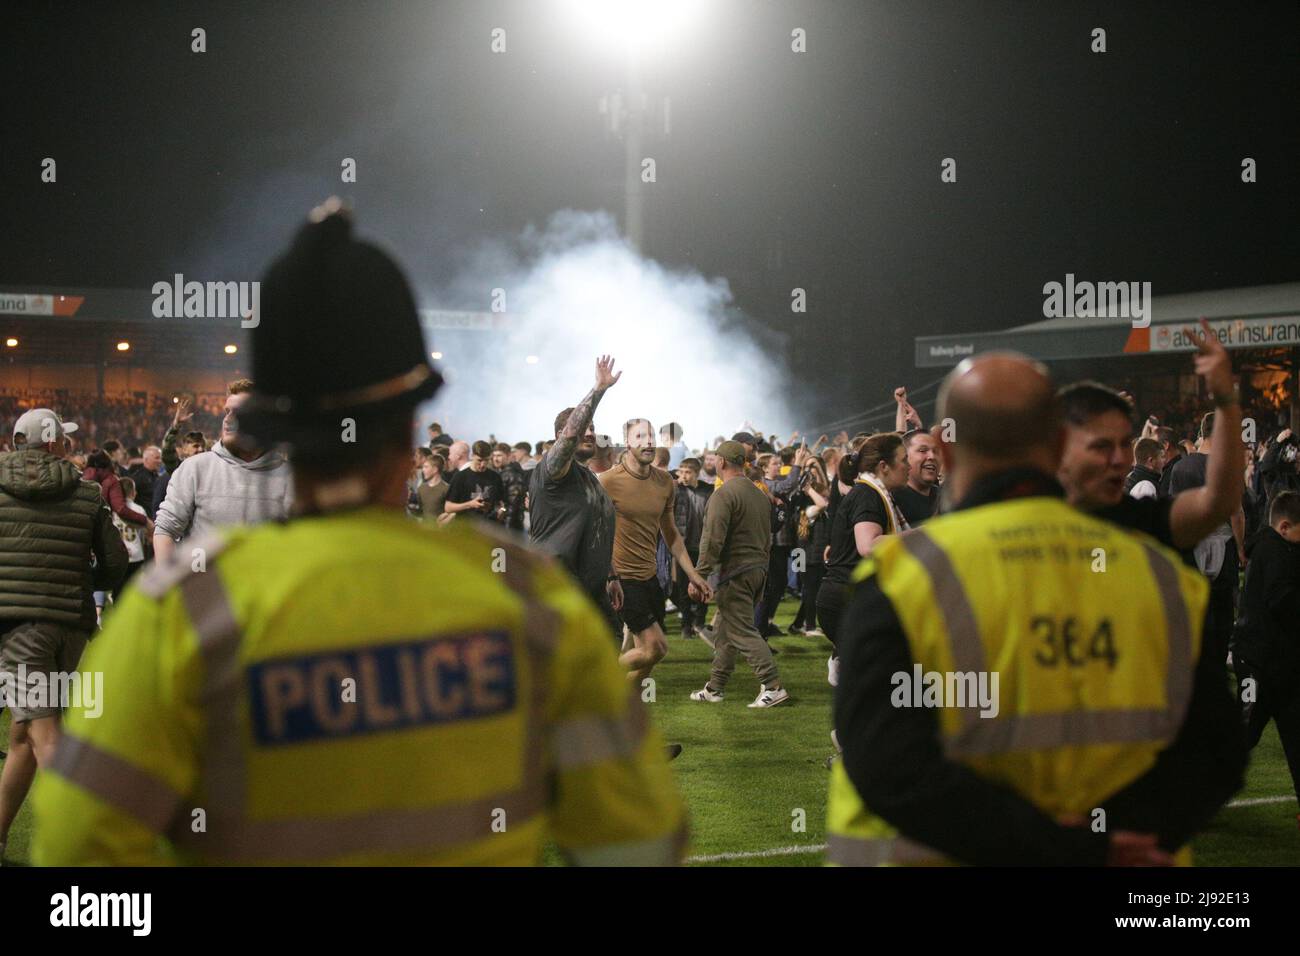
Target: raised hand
605, 374
1212, 361
184, 411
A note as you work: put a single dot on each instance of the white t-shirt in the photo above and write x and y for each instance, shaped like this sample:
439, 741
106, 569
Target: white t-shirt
132, 534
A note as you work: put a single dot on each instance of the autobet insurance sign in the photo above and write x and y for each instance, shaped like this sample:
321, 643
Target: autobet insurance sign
18, 303
1260, 333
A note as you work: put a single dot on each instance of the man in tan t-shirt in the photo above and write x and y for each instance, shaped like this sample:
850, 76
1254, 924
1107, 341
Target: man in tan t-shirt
643, 501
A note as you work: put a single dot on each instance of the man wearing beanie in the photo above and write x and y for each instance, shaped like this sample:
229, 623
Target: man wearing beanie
348, 686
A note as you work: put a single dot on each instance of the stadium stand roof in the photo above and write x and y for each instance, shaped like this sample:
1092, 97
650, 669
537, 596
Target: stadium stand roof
1266, 316
66, 326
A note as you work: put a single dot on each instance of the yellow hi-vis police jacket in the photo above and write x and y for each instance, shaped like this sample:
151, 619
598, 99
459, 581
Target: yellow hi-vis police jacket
1093, 635
358, 689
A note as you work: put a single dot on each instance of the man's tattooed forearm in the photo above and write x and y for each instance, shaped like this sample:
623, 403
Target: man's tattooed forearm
566, 442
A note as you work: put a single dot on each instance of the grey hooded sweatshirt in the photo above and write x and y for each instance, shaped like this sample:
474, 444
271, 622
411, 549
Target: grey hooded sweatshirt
216, 488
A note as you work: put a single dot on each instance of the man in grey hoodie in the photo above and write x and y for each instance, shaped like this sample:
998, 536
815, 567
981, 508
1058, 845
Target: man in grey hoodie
232, 484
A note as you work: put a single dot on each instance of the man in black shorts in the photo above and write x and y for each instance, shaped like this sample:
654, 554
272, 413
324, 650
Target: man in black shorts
643, 498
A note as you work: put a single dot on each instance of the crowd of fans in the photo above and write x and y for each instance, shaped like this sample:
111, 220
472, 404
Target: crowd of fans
828, 501
132, 419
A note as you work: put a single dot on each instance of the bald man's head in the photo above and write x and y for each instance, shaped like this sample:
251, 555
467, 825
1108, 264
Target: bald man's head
1003, 408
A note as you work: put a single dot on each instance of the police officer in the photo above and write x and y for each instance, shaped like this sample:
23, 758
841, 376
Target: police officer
347, 686
1020, 682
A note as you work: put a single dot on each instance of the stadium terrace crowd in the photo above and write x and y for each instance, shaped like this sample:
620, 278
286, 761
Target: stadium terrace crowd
131, 419
649, 523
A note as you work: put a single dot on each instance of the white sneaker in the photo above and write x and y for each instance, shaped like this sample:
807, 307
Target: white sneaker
813, 632
707, 695
833, 671
769, 698
670, 607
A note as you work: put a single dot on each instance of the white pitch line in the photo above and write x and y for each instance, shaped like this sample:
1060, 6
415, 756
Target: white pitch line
756, 854
1258, 801
818, 848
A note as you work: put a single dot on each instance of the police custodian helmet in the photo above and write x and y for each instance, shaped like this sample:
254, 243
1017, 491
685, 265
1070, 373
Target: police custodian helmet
337, 337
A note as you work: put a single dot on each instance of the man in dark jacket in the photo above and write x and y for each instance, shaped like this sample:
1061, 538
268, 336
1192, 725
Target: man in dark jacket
784, 536
1173, 454
144, 474
51, 524
1280, 468
515, 482
1266, 644
688, 514
1221, 553
193, 443
1144, 480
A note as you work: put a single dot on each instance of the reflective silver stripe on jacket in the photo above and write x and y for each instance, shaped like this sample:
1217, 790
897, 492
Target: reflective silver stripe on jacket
584, 741
877, 851
660, 851
1042, 731
232, 837
128, 788
1178, 624
958, 615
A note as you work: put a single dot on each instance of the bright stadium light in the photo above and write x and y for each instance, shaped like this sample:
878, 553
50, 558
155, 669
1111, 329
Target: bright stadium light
435, 355
123, 346
532, 360
632, 26
232, 349
11, 343
633, 31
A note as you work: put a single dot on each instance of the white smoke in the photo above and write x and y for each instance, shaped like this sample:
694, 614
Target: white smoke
576, 290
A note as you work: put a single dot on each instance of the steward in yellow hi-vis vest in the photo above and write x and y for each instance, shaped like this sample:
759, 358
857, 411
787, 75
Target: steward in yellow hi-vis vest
1019, 681
350, 687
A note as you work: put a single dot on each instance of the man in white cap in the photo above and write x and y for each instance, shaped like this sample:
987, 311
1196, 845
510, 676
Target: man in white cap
51, 522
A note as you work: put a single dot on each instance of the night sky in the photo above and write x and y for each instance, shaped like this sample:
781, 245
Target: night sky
818, 170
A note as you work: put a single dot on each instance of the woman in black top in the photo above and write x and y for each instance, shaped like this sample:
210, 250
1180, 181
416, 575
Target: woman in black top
862, 516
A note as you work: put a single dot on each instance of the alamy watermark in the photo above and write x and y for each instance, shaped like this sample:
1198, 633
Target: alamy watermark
1098, 300
960, 689
208, 300
38, 690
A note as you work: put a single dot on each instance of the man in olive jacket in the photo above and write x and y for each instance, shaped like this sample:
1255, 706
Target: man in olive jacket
734, 548
51, 523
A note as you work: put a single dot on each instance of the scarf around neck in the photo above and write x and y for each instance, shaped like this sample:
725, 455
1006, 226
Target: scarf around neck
898, 524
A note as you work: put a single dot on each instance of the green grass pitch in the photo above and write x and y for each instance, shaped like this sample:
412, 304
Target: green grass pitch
747, 774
